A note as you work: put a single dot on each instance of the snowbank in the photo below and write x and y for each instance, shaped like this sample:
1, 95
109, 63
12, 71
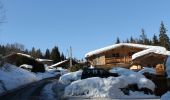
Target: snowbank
106, 87
66, 79
168, 66
102, 87
13, 77
166, 96
122, 71
97, 87
147, 70
134, 78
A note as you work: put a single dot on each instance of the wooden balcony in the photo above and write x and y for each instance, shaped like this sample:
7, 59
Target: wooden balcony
118, 60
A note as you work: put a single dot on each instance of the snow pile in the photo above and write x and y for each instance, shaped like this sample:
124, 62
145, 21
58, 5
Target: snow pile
166, 96
147, 70
103, 87
66, 79
157, 50
122, 71
168, 66
134, 78
97, 87
119, 45
13, 77
107, 87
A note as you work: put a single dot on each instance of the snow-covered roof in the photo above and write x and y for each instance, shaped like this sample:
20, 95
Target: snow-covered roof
119, 45
42, 60
24, 55
58, 63
157, 50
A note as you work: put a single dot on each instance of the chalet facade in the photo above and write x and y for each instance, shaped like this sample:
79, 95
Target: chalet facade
119, 55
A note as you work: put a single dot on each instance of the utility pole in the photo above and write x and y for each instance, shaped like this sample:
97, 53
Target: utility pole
70, 56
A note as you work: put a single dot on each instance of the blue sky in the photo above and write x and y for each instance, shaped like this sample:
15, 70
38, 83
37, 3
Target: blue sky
83, 24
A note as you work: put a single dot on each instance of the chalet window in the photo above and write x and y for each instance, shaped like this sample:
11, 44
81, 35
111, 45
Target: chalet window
115, 55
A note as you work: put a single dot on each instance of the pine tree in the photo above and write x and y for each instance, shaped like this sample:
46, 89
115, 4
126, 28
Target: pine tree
62, 57
55, 55
39, 54
155, 40
132, 40
47, 54
143, 38
118, 40
163, 37
33, 53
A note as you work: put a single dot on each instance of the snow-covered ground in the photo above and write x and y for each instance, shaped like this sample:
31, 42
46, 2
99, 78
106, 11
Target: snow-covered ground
13, 76
166, 96
106, 87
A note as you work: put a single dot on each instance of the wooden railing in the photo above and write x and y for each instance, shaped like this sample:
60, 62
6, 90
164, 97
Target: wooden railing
118, 60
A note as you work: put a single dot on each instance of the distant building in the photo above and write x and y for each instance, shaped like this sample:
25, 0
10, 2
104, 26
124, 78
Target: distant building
19, 59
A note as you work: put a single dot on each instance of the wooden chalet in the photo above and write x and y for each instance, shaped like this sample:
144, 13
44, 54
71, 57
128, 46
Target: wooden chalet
118, 55
19, 59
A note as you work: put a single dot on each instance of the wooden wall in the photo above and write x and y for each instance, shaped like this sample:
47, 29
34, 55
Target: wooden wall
106, 58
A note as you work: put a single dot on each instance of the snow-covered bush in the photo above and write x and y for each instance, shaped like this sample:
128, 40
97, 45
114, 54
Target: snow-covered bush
66, 79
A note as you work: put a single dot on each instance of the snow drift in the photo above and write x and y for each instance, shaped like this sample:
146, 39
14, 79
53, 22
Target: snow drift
12, 77
66, 79
109, 87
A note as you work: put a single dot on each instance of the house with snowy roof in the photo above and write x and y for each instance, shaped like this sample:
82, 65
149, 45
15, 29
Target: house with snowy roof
127, 55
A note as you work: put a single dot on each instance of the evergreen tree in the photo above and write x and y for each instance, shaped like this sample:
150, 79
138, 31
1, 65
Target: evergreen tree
118, 40
39, 54
132, 40
33, 53
155, 40
143, 38
47, 54
163, 37
62, 57
55, 55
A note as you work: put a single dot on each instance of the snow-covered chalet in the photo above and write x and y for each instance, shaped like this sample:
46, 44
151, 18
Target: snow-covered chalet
127, 55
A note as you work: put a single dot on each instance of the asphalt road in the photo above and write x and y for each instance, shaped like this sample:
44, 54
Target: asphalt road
29, 92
